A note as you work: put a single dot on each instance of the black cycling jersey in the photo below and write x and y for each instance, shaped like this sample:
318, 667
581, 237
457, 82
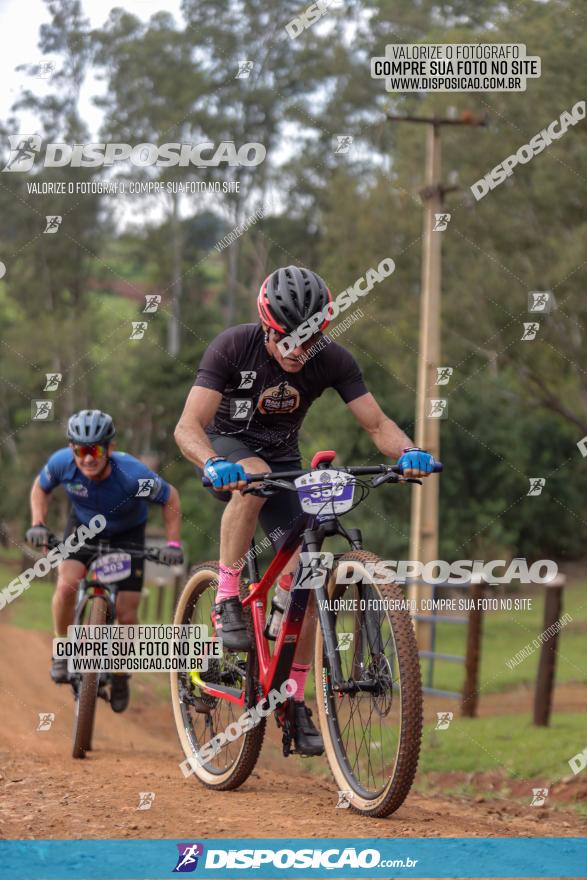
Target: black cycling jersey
261, 403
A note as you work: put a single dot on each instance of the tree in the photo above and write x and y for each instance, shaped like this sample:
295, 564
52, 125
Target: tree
152, 94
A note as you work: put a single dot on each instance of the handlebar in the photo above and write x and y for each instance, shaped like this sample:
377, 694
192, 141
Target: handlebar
149, 553
361, 471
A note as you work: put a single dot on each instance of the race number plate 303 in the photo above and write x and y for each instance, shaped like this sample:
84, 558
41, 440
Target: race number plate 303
111, 567
325, 491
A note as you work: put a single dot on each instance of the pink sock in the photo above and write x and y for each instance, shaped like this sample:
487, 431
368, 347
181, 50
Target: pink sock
228, 583
299, 673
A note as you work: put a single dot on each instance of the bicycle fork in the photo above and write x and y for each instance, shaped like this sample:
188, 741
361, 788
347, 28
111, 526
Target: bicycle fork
87, 593
367, 633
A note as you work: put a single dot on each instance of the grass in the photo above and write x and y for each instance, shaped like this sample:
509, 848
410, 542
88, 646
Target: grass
507, 743
509, 747
507, 632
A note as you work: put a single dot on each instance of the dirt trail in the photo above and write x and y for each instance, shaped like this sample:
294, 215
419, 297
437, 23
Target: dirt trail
46, 794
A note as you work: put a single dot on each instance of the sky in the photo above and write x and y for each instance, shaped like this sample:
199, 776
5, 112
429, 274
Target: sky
19, 33
20, 21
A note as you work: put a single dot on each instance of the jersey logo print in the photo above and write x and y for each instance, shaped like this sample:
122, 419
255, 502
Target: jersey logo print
76, 489
282, 398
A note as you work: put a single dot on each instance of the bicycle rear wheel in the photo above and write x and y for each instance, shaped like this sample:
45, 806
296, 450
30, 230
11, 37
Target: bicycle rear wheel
372, 736
83, 727
199, 717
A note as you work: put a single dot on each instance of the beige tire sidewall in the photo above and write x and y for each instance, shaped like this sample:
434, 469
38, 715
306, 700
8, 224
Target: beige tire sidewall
359, 803
203, 575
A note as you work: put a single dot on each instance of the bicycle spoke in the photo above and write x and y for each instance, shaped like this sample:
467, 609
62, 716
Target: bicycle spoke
369, 721
230, 670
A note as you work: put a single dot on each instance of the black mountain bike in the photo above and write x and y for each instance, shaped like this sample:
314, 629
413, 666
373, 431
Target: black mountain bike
96, 605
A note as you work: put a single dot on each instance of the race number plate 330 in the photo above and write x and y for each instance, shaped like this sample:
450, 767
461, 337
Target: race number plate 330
325, 492
111, 567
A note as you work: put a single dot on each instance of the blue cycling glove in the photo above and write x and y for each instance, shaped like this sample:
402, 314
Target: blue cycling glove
221, 472
417, 460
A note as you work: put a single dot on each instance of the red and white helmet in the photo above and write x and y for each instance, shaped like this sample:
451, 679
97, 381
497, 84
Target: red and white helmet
289, 296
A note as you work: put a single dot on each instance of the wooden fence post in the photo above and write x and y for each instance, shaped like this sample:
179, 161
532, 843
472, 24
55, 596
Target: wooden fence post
553, 604
470, 696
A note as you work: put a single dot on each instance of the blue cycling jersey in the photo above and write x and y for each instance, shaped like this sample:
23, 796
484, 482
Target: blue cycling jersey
122, 497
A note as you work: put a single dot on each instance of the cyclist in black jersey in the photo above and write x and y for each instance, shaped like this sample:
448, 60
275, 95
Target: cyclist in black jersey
243, 415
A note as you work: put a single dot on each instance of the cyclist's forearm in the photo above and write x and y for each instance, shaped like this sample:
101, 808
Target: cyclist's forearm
172, 516
39, 504
390, 439
194, 443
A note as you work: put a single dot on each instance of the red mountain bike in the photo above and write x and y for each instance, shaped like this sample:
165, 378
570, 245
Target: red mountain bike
366, 664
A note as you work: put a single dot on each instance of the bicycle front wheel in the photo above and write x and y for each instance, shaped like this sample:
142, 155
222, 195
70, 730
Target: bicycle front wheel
371, 734
85, 706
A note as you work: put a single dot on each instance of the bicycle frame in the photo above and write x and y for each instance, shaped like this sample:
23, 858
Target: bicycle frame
91, 588
88, 591
274, 669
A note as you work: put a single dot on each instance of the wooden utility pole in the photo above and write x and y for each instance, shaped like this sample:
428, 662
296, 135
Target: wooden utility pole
424, 525
424, 522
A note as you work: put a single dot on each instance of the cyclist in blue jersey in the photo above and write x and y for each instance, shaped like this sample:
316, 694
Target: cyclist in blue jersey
118, 486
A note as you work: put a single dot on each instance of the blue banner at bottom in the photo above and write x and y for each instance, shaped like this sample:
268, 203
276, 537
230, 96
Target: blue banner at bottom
468, 857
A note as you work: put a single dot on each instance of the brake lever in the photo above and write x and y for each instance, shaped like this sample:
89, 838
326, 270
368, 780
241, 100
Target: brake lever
261, 492
280, 484
389, 477
269, 487
392, 477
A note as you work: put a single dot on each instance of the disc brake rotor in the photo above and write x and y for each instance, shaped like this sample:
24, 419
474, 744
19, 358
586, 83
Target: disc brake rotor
380, 670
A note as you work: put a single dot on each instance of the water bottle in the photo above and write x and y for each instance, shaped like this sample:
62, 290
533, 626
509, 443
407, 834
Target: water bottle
279, 605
